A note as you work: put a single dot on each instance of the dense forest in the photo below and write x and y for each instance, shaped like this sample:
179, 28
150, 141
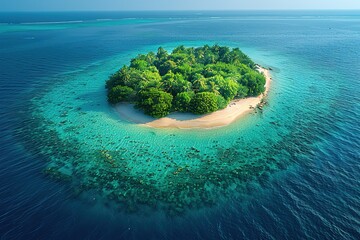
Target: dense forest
198, 80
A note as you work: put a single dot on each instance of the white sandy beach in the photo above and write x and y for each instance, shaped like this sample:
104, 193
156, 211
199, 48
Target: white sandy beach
235, 110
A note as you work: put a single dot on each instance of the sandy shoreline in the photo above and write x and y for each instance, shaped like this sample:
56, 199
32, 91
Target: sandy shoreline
235, 110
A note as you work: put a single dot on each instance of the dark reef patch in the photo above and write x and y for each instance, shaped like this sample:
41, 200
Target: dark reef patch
165, 185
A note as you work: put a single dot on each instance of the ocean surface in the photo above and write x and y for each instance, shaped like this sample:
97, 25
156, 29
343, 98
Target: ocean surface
72, 168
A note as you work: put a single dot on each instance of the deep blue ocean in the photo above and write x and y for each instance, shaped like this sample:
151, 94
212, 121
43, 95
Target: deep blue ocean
311, 127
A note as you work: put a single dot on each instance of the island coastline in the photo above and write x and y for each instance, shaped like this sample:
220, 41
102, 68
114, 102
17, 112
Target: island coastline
234, 111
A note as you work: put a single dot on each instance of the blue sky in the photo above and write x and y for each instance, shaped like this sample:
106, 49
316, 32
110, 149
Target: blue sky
59, 5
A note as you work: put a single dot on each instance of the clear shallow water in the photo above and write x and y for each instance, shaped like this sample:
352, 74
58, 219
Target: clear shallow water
290, 172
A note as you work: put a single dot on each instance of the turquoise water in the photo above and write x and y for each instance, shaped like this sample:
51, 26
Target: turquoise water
47, 26
290, 171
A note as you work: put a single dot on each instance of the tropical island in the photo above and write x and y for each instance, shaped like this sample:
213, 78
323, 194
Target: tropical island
198, 80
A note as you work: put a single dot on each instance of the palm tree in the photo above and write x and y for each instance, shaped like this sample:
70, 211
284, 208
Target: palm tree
199, 84
214, 88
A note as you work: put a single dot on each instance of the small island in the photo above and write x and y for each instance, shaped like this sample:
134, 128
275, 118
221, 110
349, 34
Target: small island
202, 80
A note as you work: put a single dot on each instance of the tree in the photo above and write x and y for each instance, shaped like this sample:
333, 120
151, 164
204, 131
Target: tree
152, 83
182, 101
161, 53
228, 88
139, 64
175, 83
120, 94
255, 82
204, 102
154, 102
184, 69
180, 49
118, 78
221, 102
166, 66
242, 91
150, 58
199, 83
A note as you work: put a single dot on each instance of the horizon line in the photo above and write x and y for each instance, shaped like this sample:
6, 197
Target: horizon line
180, 10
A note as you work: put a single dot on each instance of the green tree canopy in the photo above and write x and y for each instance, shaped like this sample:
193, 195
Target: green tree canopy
204, 102
155, 102
120, 94
182, 101
199, 80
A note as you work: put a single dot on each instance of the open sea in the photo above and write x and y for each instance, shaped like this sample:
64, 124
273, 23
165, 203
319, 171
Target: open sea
72, 168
